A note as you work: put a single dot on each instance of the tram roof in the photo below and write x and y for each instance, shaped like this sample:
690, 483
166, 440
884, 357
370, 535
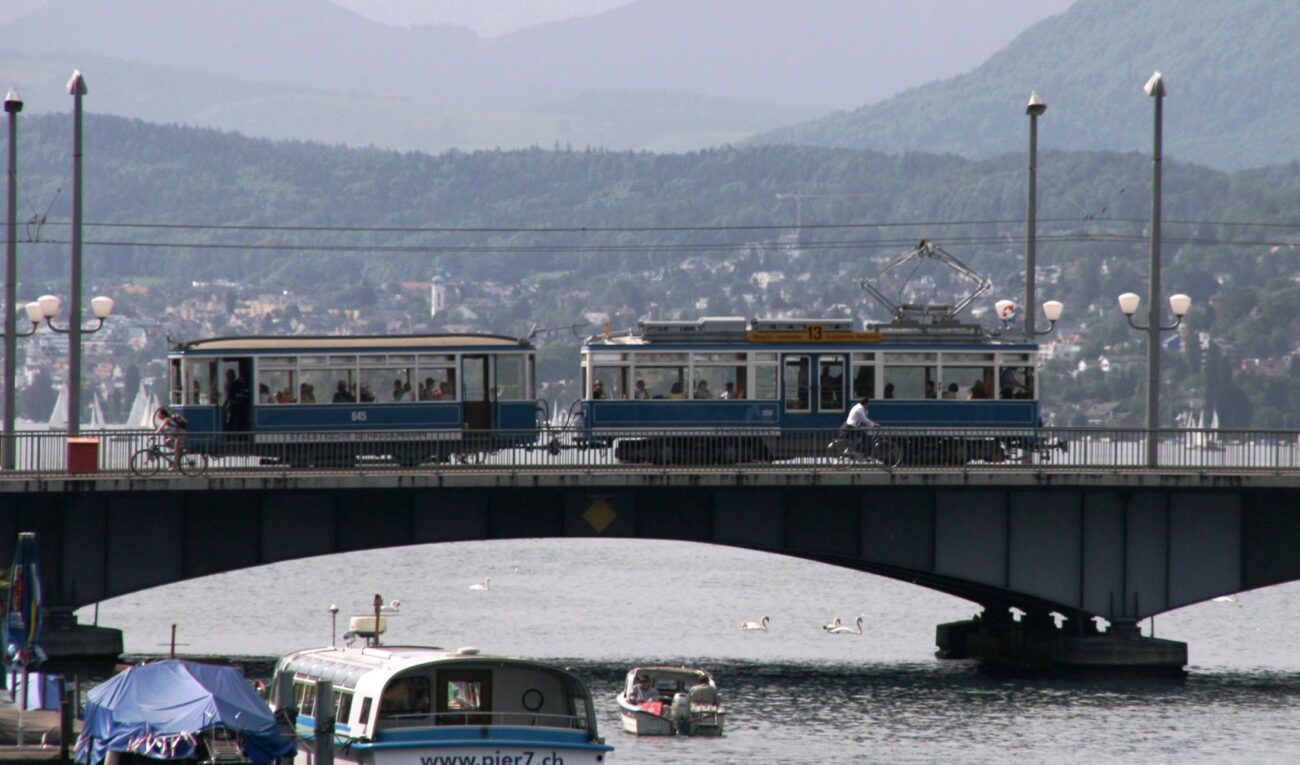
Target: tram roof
354, 343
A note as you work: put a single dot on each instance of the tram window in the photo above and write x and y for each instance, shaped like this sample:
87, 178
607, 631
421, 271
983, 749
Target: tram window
334, 386
1016, 382
663, 382
864, 382
202, 377
796, 384
510, 378
177, 392
613, 381
764, 388
965, 378
276, 386
830, 383
911, 382
716, 381
436, 384
377, 383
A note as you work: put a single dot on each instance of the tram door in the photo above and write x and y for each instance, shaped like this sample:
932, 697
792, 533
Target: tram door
831, 380
797, 391
475, 384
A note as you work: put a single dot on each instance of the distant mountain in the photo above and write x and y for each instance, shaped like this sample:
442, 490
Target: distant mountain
489, 18
703, 72
1230, 71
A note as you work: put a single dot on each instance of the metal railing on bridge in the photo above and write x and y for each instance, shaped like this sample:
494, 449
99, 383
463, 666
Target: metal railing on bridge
51, 454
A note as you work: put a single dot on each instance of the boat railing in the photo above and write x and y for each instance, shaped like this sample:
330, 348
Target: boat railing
482, 718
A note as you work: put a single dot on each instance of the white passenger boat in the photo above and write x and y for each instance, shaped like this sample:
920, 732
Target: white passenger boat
406, 705
688, 703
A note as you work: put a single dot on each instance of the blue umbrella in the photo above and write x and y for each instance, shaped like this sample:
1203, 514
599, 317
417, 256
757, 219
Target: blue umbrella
23, 607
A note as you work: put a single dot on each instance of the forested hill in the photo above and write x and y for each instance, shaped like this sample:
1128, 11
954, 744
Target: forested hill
1230, 70
1092, 212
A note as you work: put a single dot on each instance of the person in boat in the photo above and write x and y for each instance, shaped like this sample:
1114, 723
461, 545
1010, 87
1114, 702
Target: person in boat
643, 691
703, 693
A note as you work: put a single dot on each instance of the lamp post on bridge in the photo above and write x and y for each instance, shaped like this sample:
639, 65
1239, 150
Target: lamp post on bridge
1129, 301
13, 105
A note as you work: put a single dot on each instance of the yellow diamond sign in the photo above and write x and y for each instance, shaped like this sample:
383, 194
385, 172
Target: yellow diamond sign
599, 514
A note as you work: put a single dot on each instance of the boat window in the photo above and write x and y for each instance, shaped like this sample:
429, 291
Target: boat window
405, 696
201, 376
663, 382
1016, 382
830, 383
364, 718
510, 377
795, 379
436, 384
864, 382
764, 388
304, 695
909, 382
971, 381
462, 691
342, 706
276, 386
613, 382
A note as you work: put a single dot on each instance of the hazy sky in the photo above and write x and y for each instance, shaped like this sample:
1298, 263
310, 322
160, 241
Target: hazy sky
489, 18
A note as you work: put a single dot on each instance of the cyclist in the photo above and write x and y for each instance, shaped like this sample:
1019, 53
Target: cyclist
173, 426
859, 422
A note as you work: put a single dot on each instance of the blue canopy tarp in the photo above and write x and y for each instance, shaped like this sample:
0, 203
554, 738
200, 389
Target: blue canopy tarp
160, 710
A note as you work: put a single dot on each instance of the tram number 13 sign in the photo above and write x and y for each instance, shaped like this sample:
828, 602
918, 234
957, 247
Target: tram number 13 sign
814, 333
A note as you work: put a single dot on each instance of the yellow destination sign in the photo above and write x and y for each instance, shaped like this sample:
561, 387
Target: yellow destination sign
814, 333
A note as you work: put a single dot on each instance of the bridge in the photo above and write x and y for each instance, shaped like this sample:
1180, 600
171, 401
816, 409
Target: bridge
1078, 537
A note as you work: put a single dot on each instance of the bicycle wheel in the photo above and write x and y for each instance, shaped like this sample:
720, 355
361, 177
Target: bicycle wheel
887, 453
193, 463
146, 462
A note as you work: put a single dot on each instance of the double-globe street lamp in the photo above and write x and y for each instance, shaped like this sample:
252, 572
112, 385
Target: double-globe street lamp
1129, 301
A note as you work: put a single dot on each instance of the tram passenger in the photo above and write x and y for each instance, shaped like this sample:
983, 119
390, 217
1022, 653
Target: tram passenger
728, 391
598, 390
951, 392
702, 389
639, 392
977, 390
341, 393
889, 390
930, 389
263, 394
676, 391
307, 393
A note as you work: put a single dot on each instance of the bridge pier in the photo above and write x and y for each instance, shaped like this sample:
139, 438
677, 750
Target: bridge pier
74, 648
1037, 644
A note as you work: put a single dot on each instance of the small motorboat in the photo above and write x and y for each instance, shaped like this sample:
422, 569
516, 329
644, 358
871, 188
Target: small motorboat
687, 703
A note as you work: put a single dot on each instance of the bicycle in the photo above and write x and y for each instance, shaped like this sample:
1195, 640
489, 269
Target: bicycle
146, 462
848, 448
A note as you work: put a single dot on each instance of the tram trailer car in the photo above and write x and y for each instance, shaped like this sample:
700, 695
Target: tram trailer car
323, 400
726, 390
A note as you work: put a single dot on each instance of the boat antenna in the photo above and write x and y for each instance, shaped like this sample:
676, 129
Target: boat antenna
379, 604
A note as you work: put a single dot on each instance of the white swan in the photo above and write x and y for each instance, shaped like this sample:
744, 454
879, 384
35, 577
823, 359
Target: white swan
843, 630
759, 625
1225, 599
485, 585
833, 625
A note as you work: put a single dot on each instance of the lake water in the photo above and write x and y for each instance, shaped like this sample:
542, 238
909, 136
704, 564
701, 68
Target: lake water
796, 694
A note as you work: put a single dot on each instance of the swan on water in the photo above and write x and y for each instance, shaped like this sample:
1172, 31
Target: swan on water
759, 625
486, 584
833, 624
843, 630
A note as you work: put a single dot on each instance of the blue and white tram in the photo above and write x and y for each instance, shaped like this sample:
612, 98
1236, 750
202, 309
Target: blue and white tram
729, 390
307, 400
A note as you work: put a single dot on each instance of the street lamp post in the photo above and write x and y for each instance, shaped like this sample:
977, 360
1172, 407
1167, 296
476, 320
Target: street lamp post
45, 308
1129, 301
77, 89
13, 105
1034, 109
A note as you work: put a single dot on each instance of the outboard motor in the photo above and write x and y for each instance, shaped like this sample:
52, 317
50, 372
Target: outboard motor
681, 713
